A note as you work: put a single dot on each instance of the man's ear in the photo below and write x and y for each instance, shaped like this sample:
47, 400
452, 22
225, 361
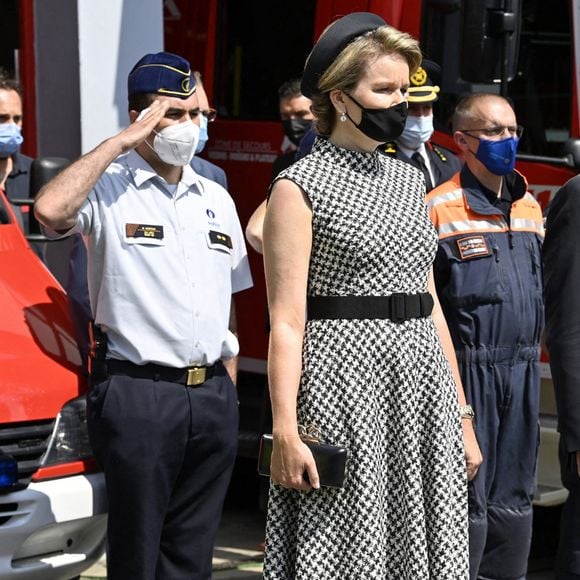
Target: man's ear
133, 115
460, 140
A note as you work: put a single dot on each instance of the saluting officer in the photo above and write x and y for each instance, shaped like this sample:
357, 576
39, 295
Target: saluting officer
165, 254
437, 163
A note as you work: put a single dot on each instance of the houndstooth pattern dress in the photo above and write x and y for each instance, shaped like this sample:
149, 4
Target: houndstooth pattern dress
382, 389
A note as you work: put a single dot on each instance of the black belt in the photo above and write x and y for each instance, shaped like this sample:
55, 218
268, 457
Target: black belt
189, 376
396, 307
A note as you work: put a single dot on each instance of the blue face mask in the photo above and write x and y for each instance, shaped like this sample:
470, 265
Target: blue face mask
10, 139
203, 136
499, 157
417, 130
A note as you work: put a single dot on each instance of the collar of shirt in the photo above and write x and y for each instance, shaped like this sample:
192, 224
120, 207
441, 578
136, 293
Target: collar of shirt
20, 164
143, 172
422, 150
484, 201
410, 152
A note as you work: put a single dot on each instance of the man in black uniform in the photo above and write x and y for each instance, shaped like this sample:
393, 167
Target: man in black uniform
14, 166
296, 118
562, 290
414, 146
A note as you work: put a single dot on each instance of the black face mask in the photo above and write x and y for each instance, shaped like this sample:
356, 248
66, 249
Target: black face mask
295, 129
381, 125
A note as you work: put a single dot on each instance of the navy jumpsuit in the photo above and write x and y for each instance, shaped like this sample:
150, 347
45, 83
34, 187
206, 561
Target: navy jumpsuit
489, 281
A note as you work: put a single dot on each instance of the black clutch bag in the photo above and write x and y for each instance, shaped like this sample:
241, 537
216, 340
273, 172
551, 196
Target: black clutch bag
330, 459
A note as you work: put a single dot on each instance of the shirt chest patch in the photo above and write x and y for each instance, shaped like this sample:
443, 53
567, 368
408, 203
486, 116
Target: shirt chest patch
144, 234
219, 241
473, 247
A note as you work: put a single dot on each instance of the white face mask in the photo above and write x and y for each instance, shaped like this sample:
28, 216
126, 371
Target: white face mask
175, 145
417, 130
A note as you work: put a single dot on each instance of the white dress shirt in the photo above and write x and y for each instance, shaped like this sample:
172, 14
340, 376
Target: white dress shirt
163, 262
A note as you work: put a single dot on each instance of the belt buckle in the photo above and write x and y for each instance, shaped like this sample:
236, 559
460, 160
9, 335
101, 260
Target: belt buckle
398, 307
195, 376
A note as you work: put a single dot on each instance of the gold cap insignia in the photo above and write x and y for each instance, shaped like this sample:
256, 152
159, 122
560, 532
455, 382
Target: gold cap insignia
419, 78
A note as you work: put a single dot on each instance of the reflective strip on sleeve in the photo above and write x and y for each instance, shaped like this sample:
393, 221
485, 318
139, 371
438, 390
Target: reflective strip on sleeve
527, 225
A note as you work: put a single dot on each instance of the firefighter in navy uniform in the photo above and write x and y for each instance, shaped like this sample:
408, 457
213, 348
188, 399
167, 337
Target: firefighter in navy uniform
414, 146
489, 280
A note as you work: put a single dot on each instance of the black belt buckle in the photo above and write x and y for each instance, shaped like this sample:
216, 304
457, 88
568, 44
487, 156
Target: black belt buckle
398, 307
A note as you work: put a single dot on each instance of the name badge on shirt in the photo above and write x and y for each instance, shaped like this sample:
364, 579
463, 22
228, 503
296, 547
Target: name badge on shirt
144, 234
219, 241
472, 247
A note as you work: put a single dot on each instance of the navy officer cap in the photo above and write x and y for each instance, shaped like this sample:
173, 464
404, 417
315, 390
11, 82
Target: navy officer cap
423, 87
162, 73
332, 42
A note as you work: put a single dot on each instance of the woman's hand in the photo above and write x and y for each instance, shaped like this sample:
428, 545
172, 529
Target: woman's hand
473, 457
291, 460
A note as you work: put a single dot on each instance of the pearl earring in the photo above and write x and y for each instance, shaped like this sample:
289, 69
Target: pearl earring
343, 117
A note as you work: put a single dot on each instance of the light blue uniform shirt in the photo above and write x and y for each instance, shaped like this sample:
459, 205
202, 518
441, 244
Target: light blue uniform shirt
163, 262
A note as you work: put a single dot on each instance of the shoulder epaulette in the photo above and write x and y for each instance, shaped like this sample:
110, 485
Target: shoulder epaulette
389, 148
439, 153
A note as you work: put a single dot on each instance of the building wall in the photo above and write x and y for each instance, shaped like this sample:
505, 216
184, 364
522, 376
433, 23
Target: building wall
84, 51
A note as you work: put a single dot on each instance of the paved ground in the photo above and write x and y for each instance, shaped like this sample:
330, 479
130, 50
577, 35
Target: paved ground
238, 554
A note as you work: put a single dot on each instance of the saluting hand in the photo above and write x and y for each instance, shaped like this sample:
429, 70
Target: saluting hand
142, 126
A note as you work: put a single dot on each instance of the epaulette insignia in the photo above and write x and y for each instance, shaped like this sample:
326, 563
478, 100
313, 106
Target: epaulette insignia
390, 147
440, 153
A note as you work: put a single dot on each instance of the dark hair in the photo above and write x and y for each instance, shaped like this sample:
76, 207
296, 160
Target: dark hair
140, 101
290, 89
8, 83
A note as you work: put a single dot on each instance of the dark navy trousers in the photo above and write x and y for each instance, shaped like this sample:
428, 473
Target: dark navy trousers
568, 558
502, 384
167, 452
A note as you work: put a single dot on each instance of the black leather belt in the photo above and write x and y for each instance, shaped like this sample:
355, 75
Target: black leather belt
396, 307
189, 376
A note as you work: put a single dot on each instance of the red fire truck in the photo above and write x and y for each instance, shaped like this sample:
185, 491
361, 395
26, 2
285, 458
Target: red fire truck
526, 50
245, 50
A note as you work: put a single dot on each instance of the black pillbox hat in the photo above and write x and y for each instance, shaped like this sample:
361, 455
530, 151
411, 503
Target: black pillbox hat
163, 73
332, 42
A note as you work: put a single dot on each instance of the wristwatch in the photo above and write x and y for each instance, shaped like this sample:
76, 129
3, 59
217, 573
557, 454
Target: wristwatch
466, 412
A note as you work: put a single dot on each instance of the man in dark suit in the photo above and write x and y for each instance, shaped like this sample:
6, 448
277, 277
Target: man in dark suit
561, 260
200, 165
414, 146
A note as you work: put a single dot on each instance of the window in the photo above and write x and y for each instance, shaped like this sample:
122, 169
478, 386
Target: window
260, 45
542, 89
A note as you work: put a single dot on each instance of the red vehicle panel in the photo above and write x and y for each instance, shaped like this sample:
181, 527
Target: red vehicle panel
38, 352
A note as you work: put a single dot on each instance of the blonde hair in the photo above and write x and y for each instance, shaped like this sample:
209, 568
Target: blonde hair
350, 65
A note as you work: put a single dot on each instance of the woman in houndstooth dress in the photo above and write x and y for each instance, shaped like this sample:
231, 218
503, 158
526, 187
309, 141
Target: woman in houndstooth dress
348, 221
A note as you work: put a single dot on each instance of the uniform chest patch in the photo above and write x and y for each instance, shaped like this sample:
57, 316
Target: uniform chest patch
220, 239
472, 247
144, 231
